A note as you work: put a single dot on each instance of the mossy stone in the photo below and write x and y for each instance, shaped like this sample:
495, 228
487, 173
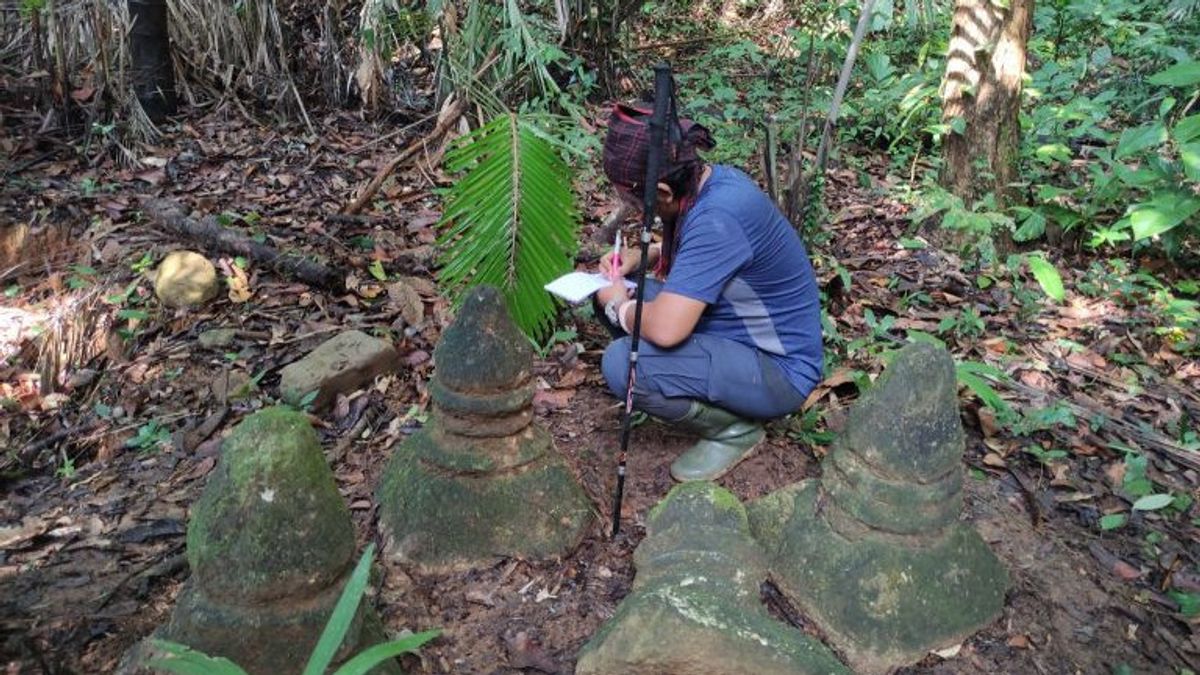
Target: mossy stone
874, 551
885, 601
444, 518
907, 426
482, 350
339, 365
275, 637
270, 522
694, 608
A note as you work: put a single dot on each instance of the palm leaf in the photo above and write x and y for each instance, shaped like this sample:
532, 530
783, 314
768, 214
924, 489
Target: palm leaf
511, 220
183, 660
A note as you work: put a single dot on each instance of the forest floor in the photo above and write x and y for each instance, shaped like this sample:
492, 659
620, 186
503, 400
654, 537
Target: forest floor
99, 474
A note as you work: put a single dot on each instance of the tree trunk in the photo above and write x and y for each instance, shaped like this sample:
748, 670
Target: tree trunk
984, 68
150, 47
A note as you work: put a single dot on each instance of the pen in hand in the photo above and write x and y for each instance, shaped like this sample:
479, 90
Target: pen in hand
615, 274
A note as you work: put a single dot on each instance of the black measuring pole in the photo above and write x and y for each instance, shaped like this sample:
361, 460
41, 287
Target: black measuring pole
663, 100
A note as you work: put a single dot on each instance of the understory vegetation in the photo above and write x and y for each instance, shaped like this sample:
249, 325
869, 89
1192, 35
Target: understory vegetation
420, 148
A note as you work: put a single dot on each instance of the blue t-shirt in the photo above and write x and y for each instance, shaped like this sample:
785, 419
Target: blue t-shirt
740, 256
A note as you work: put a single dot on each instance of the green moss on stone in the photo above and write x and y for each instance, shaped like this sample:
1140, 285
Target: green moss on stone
691, 500
270, 521
482, 350
883, 602
441, 520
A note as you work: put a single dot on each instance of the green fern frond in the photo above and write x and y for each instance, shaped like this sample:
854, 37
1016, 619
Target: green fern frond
511, 220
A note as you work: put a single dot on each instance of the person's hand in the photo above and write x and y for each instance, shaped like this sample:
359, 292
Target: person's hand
629, 262
614, 290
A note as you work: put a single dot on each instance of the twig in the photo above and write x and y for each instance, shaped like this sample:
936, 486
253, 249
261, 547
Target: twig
448, 120
391, 134
31, 450
169, 565
170, 215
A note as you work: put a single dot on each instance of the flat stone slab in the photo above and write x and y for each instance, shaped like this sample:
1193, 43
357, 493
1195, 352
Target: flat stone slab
694, 608
340, 365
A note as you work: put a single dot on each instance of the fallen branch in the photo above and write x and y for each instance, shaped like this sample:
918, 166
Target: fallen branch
448, 119
216, 239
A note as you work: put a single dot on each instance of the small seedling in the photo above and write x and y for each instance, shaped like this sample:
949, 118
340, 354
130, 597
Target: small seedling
559, 337
142, 264
1045, 456
150, 436
66, 468
82, 277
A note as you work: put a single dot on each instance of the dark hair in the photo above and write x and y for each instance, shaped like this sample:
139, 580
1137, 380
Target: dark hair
625, 154
684, 181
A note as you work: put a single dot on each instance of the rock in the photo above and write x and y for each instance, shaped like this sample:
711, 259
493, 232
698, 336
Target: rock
271, 546
341, 364
480, 480
694, 608
185, 279
217, 338
874, 551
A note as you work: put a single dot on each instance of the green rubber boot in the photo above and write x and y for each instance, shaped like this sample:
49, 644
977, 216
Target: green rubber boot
725, 440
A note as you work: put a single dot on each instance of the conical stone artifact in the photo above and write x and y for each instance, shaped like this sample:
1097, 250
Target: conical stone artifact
271, 547
874, 550
481, 479
694, 608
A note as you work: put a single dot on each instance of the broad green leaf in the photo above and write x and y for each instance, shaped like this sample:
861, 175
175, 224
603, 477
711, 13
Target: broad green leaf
377, 271
983, 390
343, 614
921, 336
1141, 138
1189, 155
1032, 227
1112, 521
373, 656
1153, 502
972, 374
1178, 75
1047, 277
1189, 603
1162, 213
1053, 152
183, 660
1186, 129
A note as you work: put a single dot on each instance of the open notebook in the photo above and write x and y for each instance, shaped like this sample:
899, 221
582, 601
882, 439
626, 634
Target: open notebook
579, 286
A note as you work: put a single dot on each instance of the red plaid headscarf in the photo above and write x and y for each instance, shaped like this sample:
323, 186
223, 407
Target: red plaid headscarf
625, 151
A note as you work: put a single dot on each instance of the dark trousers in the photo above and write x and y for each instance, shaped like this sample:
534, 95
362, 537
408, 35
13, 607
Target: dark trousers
706, 368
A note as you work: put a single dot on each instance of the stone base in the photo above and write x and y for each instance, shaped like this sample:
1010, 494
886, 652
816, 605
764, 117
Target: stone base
263, 639
695, 608
447, 502
670, 629
884, 600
